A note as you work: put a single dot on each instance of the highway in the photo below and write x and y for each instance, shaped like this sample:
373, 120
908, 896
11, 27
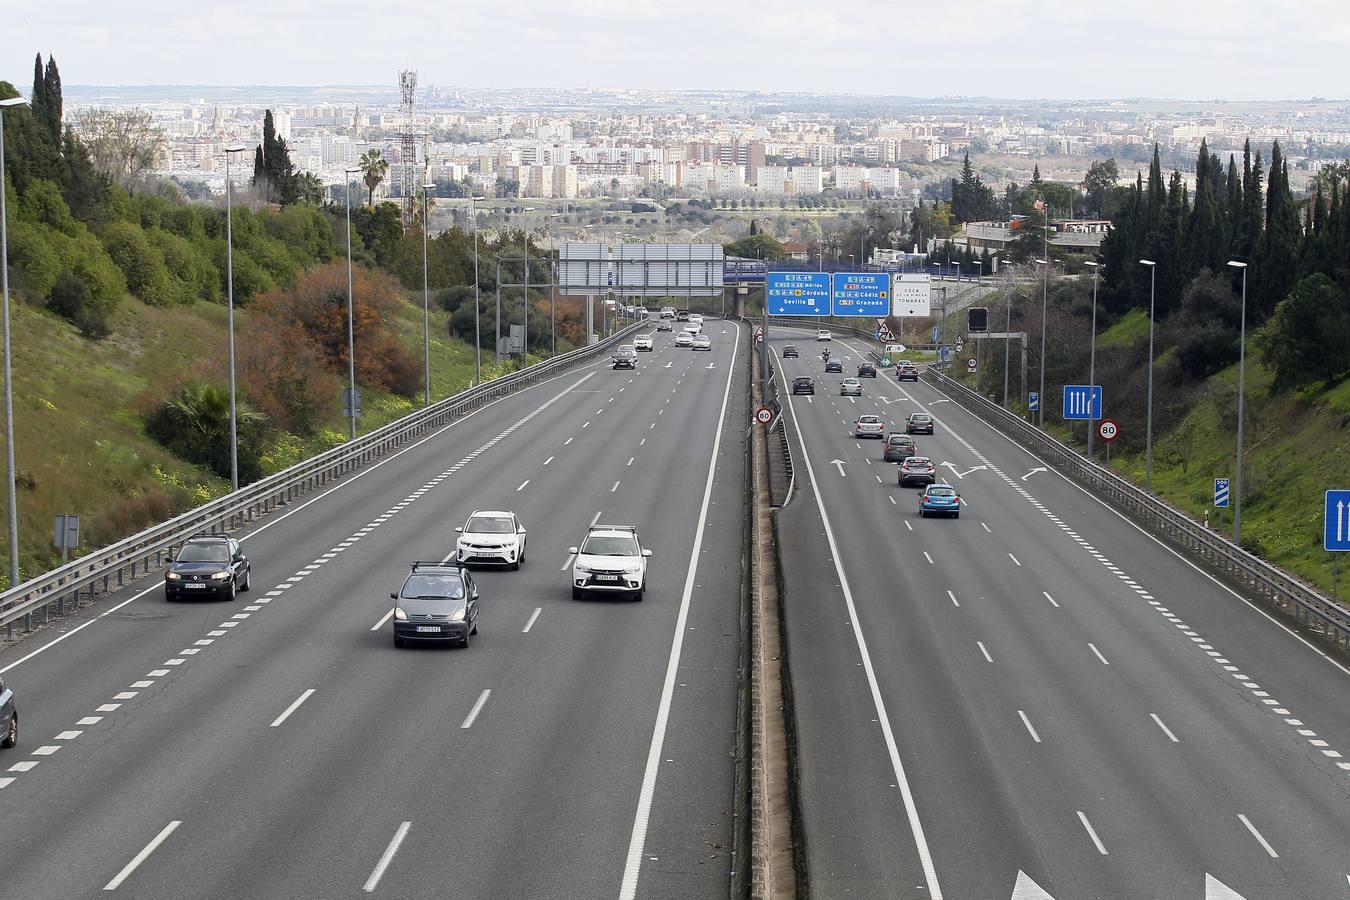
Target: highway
281, 746
1036, 699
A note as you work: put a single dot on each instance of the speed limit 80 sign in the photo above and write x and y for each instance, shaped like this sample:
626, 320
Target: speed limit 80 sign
764, 415
1108, 429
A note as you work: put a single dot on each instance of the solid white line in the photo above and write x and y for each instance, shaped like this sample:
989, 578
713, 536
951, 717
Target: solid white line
1051, 599
522, 485
477, 708
1256, 834
633, 863
140, 857
953, 596
387, 857
1167, 731
309, 692
984, 651
1027, 722
384, 618
883, 719
530, 624
1091, 833
1099, 653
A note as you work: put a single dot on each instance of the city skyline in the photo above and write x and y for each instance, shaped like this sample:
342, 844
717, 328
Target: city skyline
1014, 50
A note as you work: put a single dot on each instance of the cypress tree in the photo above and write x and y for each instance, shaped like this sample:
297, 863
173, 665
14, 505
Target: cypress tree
52, 102
1202, 226
37, 102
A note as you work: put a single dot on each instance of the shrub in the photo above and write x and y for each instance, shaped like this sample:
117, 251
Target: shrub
194, 424
71, 299
140, 261
36, 264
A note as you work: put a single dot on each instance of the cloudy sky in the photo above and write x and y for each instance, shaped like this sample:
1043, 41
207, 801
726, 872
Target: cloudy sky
1068, 49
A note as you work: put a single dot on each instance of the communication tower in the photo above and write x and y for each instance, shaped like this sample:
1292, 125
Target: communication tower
407, 146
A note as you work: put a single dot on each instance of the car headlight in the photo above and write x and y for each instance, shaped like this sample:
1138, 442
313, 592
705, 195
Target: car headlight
457, 616
581, 567
400, 614
630, 570
221, 576
172, 576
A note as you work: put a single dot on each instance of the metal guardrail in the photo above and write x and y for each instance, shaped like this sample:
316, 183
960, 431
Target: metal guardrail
111, 567
1276, 586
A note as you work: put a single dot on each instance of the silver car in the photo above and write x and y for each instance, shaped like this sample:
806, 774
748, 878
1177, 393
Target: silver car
850, 387
869, 426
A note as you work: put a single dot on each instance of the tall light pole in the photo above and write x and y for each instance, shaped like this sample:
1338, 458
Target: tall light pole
229, 297
1242, 383
552, 294
477, 338
1007, 331
426, 299
1092, 360
351, 333
525, 344
1148, 427
1045, 293
9, 370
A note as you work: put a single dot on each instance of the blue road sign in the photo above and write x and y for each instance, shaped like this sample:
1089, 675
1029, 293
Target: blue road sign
937, 330
1221, 493
946, 354
1033, 401
798, 293
1337, 533
862, 294
1076, 404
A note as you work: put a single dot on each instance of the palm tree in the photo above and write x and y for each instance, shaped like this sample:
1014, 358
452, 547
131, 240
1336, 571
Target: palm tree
373, 167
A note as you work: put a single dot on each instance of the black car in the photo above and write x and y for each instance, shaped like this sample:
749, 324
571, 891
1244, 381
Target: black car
867, 370
899, 447
803, 384
9, 717
919, 422
834, 365
210, 566
906, 373
791, 352
681, 315
438, 602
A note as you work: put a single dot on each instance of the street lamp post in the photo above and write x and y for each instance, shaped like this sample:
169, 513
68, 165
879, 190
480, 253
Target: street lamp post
1092, 359
426, 300
525, 344
9, 369
351, 332
553, 291
1242, 383
1148, 427
229, 297
477, 337
1045, 293
1007, 331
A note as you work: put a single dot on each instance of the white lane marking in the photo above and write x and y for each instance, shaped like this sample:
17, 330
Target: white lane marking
125, 695
630, 460
522, 485
568, 441
6, 782
386, 858
549, 460
1027, 722
890, 498
108, 707
1014, 559
68, 735
615, 488
142, 684
141, 857
642, 442
596, 517
26, 766
1167, 731
883, 719
1094, 649
909, 526
1256, 834
533, 616
570, 557
987, 657
638, 839
48, 750
953, 596
309, 692
477, 708
586, 424
1051, 599
89, 720
985, 527
1091, 833
929, 558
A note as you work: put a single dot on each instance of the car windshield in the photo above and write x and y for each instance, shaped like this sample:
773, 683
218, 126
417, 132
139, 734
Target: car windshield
609, 545
429, 586
212, 553
941, 492
644, 337
625, 348
489, 525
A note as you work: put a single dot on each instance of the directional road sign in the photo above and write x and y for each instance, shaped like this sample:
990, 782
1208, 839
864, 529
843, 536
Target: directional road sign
862, 293
1221, 493
798, 293
1033, 401
1108, 430
1076, 401
1337, 533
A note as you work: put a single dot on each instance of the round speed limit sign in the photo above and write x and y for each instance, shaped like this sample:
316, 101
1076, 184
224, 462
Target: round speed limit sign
764, 415
1108, 429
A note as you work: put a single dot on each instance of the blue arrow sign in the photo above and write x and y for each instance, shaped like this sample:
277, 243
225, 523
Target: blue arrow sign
1080, 402
1033, 401
1337, 533
1221, 493
798, 293
862, 294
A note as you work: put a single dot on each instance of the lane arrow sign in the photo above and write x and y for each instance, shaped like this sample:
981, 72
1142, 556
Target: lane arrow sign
669, 365
710, 365
840, 464
1034, 471
1026, 889
1217, 890
965, 473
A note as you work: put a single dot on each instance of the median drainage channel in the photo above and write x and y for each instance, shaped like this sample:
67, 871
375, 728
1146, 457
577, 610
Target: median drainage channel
777, 851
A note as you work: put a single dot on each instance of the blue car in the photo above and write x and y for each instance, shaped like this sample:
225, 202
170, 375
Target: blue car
940, 499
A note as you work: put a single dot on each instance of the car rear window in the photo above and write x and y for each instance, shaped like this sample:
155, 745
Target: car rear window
919, 417
941, 492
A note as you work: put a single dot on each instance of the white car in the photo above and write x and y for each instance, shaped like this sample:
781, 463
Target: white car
701, 342
667, 312
850, 387
823, 335
693, 326
642, 313
642, 342
684, 339
491, 537
610, 560
869, 426
695, 318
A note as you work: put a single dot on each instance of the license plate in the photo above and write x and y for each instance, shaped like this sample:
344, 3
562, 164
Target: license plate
607, 578
196, 587
429, 628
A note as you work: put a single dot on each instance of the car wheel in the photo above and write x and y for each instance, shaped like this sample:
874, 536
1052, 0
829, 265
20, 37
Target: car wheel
248, 580
234, 589
956, 515
464, 641
12, 733
578, 593
923, 513
515, 566
398, 641
638, 594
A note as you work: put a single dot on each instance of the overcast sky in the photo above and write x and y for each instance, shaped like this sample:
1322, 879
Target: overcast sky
1067, 49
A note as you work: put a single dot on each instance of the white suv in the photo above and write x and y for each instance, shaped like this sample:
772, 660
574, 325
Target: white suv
491, 537
610, 560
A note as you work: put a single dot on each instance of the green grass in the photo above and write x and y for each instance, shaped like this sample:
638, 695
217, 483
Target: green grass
1130, 330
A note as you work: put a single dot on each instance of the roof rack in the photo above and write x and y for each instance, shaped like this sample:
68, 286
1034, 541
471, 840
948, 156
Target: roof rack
599, 527
419, 563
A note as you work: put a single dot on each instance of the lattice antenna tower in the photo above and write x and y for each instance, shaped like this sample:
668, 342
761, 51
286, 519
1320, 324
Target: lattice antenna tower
407, 145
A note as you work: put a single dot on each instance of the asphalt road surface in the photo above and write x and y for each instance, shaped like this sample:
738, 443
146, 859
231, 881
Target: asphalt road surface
1036, 699
280, 746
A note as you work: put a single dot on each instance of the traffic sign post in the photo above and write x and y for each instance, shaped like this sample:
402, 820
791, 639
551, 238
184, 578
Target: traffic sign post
861, 294
797, 293
764, 415
1221, 493
1336, 533
1082, 402
1108, 430
1033, 402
